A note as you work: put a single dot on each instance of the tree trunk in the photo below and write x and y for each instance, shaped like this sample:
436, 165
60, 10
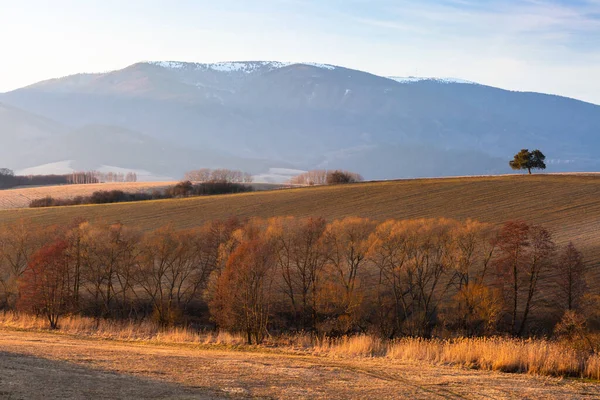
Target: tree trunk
529, 169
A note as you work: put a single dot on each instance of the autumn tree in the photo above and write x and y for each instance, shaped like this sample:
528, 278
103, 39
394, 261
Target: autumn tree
416, 261
528, 160
346, 245
45, 284
477, 306
108, 259
244, 292
17, 244
172, 272
570, 276
389, 253
299, 257
525, 254
429, 272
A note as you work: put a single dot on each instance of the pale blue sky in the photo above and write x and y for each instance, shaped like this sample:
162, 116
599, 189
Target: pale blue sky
548, 46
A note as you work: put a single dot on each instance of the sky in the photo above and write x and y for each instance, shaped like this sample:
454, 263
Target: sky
550, 46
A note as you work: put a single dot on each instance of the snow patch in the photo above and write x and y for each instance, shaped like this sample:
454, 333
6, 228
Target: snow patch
323, 66
227, 67
168, 64
247, 67
413, 79
55, 168
65, 167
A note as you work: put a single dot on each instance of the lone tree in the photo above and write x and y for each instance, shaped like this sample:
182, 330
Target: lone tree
528, 160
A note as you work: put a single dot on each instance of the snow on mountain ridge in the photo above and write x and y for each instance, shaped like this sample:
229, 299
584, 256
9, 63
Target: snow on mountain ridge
249, 67
235, 66
413, 79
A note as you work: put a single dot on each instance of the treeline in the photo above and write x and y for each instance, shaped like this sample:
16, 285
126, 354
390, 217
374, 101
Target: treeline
418, 278
8, 179
182, 189
218, 175
324, 177
86, 177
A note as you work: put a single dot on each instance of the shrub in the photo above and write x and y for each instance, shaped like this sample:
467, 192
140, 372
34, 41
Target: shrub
337, 177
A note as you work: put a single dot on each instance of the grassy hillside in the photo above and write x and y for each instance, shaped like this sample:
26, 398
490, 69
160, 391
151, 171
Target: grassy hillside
567, 204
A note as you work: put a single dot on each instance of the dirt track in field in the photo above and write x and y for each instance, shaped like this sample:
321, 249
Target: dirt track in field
52, 366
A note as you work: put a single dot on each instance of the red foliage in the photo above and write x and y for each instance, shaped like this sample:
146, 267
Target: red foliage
44, 286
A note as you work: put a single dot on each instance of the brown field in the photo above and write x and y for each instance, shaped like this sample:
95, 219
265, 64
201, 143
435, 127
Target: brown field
21, 197
569, 205
38, 365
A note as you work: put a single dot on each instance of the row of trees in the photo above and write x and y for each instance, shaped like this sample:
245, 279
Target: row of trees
8, 179
396, 278
325, 177
100, 177
218, 175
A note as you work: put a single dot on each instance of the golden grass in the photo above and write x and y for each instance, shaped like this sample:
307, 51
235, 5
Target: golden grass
530, 356
119, 330
533, 356
21, 197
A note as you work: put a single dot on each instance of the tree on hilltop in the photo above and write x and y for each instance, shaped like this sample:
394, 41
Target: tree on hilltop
528, 160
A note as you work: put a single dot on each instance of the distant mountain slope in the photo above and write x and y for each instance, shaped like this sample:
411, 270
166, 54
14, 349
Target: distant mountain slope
20, 131
34, 143
314, 115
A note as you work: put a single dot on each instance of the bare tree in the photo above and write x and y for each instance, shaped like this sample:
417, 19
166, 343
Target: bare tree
300, 259
525, 253
346, 246
571, 276
17, 244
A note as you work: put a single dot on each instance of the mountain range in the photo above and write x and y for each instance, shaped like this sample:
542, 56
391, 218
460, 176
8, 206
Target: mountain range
165, 117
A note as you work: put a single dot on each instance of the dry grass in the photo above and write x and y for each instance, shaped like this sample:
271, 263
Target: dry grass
21, 197
43, 365
539, 357
120, 330
531, 356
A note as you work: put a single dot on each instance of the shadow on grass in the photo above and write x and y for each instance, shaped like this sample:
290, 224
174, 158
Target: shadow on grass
28, 377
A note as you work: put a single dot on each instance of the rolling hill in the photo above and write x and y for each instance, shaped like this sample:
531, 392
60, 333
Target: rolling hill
566, 204
260, 115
